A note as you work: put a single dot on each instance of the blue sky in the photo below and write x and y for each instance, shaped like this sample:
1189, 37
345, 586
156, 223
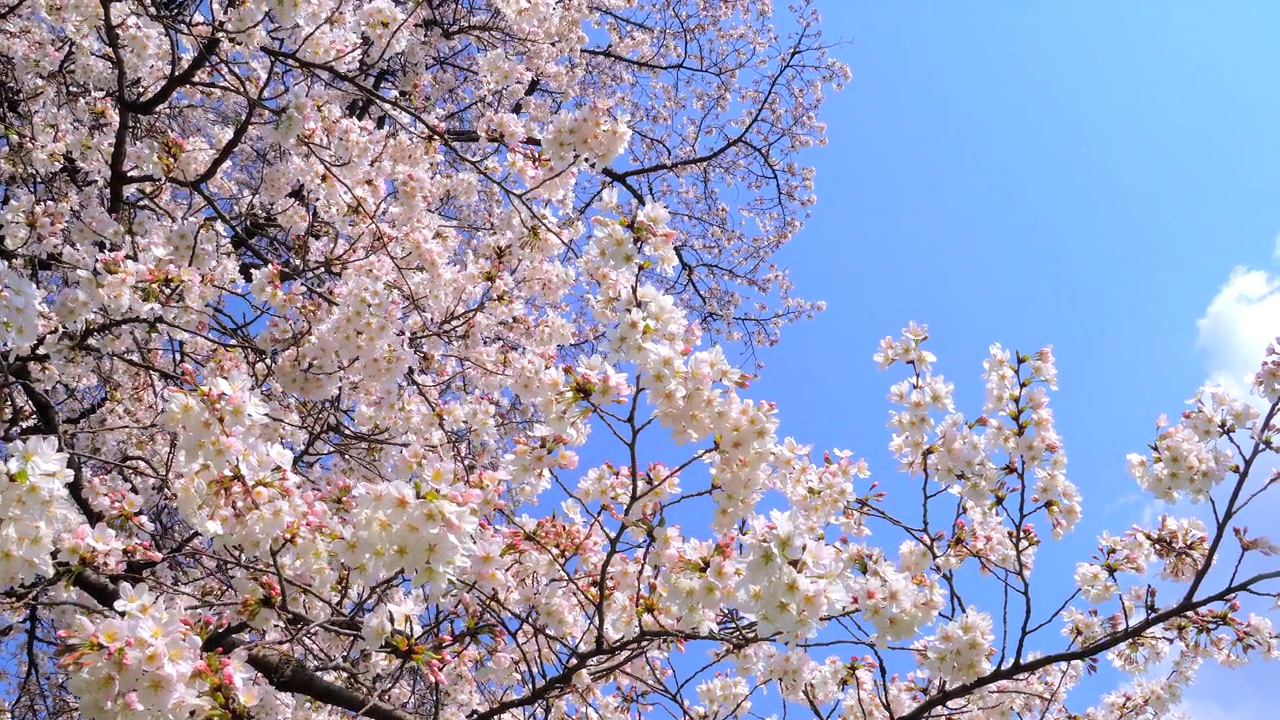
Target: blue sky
1104, 180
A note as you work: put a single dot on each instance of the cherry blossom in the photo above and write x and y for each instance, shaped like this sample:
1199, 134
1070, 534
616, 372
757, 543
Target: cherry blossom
395, 360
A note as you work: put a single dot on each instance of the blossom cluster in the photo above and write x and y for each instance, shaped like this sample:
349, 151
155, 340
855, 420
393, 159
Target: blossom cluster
1011, 450
144, 663
1188, 459
34, 509
20, 306
897, 601
960, 650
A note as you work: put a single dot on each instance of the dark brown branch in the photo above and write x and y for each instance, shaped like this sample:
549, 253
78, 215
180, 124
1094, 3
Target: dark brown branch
471, 136
175, 82
285, 672
1083, 653
120, 144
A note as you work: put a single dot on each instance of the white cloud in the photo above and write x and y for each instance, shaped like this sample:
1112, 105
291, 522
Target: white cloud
1236, 328
1240, 694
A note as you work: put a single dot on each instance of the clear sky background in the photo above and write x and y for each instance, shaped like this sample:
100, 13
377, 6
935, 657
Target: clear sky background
1102, 178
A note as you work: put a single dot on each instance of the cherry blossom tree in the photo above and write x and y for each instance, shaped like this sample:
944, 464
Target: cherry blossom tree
368, 359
